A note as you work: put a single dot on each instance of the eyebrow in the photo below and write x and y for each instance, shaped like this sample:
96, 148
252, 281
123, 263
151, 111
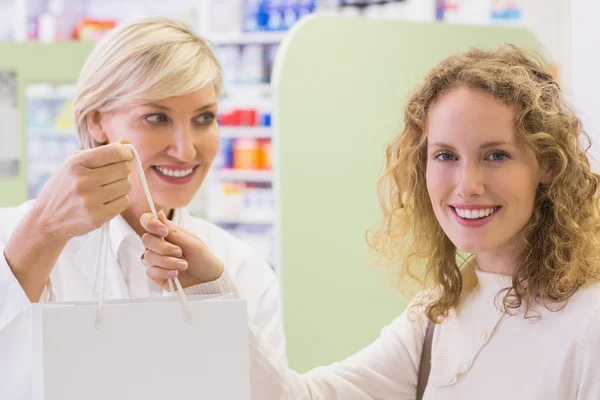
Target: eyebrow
165, 108
483, 146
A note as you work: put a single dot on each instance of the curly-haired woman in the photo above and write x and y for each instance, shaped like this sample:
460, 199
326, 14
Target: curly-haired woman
490, 202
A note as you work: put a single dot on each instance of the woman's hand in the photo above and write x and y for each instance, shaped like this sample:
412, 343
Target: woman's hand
89, 189
172, 251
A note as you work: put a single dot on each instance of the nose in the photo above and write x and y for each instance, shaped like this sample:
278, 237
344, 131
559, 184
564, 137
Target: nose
471, 181
183, 147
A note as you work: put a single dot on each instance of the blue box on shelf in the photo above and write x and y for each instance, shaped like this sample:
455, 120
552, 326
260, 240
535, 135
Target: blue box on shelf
275, 15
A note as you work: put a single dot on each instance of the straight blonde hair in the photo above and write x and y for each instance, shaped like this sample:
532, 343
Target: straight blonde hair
148, 60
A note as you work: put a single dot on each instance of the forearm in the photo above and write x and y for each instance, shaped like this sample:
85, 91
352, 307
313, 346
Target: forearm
359, 378
31, 253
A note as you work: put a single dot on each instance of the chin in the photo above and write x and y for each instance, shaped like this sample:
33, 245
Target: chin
472, 246
173, 201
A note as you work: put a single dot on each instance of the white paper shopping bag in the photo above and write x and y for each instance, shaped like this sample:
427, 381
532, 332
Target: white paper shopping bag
144, 349
158, 348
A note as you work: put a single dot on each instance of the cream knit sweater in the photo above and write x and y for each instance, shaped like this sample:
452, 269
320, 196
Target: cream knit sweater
478, 353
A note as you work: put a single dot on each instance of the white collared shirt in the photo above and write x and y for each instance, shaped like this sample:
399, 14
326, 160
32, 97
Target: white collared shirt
129, 250
74, 274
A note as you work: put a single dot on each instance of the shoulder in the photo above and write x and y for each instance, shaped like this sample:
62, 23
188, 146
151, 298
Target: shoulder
585, 302
415, 312
407, 331
583, 309
589, 342
589, 300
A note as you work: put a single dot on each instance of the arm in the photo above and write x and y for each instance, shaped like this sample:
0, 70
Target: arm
89, 189
268, 316
15, 331
386, 369
589, 385
30, 254
255, 279
263, 299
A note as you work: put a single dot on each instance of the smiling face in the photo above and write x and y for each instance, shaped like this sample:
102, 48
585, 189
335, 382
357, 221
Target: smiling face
177, 139
482, 180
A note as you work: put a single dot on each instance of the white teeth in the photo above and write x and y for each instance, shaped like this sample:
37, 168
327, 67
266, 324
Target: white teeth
475, 214
178, 173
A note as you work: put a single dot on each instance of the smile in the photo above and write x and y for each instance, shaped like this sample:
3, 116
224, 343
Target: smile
173, 174
475, 218
475, 214
177, 173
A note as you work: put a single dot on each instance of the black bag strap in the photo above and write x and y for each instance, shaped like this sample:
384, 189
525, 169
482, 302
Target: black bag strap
425, 364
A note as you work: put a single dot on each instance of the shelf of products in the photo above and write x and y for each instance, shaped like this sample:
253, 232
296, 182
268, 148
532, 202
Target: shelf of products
260, 237
263, 89
50, 132
241, 175
242, 203
247, 66
242, 221
246, 154
234, 132
247, 38
240, 193
54, 133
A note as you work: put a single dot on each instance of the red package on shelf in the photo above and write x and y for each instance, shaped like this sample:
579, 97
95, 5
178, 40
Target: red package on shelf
248, 117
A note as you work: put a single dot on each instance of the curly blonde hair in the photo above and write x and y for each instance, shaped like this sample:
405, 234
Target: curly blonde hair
562, 238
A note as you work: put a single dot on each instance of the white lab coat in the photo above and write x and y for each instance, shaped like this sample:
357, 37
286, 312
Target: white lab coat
72, 279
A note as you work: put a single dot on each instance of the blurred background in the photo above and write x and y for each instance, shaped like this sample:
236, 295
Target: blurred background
37, 131
246, 35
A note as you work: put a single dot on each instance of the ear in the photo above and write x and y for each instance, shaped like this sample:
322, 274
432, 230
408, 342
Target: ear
94, 125
545, 173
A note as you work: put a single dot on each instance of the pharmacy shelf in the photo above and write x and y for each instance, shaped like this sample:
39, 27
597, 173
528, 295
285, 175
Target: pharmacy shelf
42, 91
242, 88
50, 97
247, 38
242, 175
242, 221
258, 132
52, 133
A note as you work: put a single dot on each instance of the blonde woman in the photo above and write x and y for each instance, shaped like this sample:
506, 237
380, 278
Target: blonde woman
489, 164
156, 83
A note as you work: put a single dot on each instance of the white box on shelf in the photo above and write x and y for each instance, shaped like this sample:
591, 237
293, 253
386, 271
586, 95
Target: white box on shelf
245, 175
259, 132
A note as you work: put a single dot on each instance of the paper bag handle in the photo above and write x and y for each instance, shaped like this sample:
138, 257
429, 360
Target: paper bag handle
104, 232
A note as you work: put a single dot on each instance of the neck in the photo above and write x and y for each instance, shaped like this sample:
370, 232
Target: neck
495, 264
503, 261
133, 214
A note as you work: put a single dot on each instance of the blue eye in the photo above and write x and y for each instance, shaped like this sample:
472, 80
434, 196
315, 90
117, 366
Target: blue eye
205, 119
444, 157
156, 118
498, 156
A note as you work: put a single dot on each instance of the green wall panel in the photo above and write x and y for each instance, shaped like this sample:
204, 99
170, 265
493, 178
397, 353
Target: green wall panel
35, 63
340, 84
